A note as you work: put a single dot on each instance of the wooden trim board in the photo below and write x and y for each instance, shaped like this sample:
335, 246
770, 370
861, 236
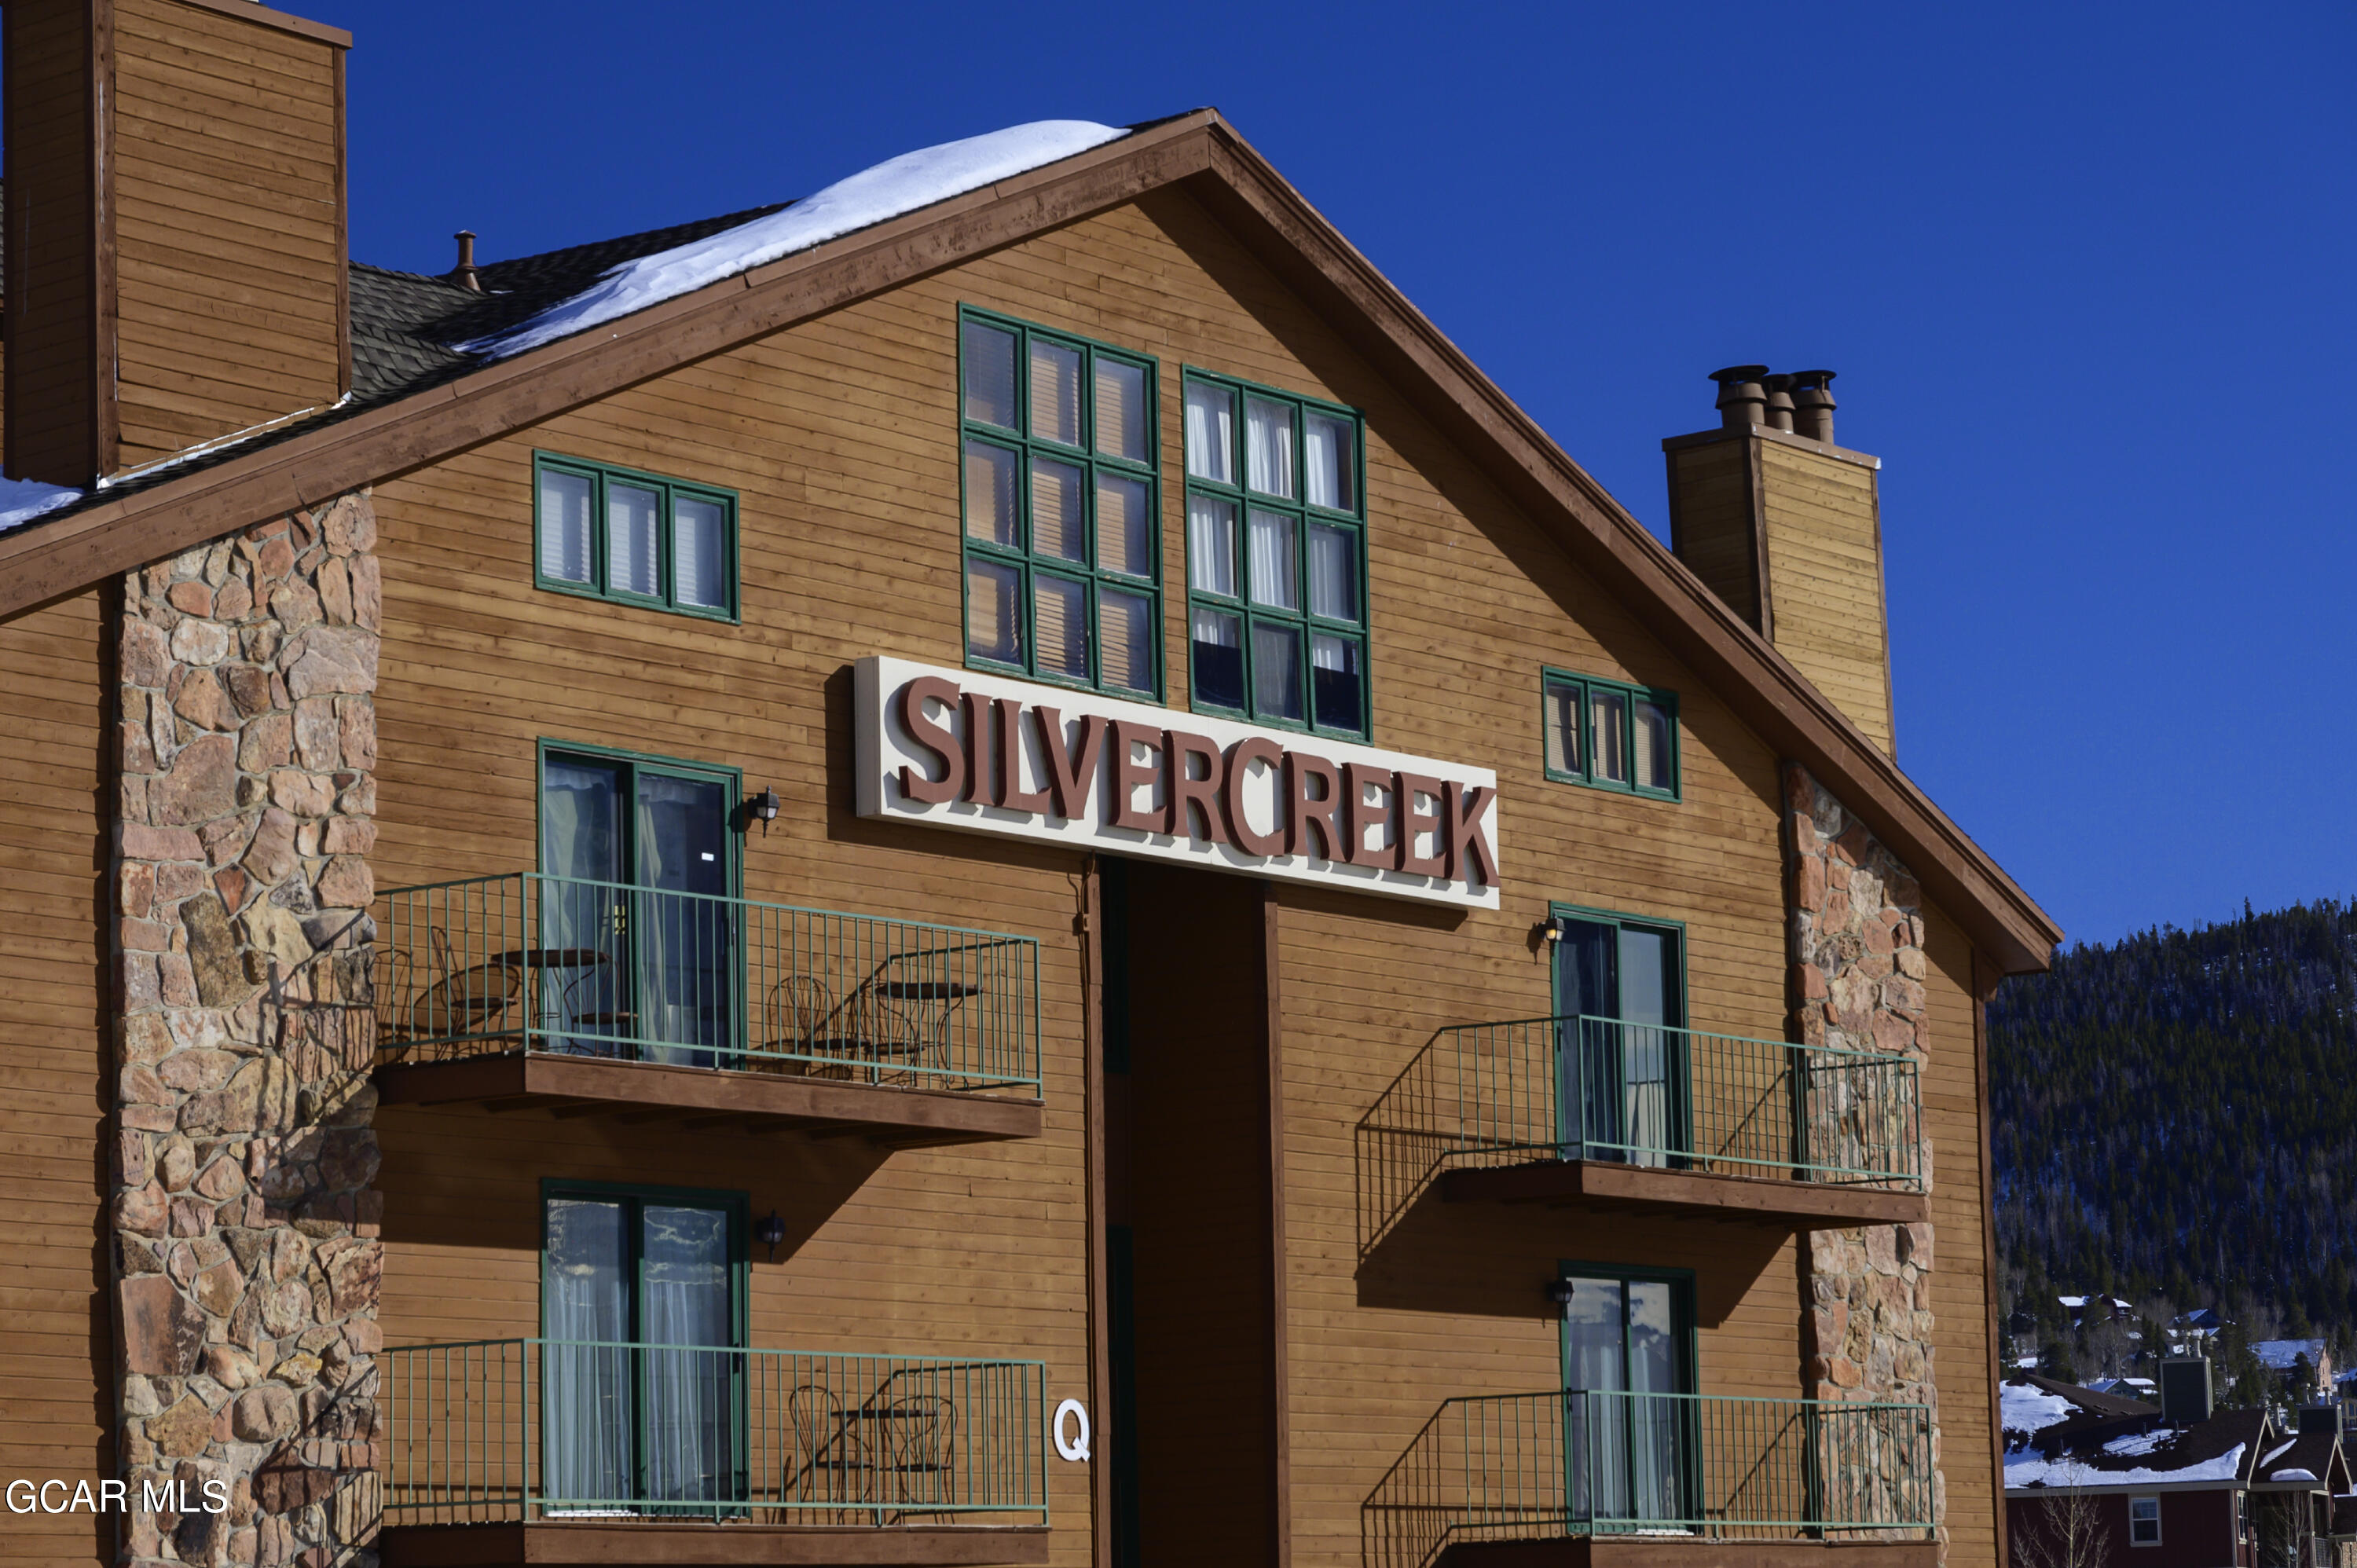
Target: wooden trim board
568, 1086
1799, 1205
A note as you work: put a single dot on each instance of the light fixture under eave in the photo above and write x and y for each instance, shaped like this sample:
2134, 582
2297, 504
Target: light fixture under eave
772, 1231
764, 807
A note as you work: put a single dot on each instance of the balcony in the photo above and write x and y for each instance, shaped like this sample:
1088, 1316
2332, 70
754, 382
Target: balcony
564, 997
1584, 1476
555, 1451
1605, 1112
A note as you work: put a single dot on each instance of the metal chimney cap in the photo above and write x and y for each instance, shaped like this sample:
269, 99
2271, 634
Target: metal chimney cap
1812, 380
1735, 374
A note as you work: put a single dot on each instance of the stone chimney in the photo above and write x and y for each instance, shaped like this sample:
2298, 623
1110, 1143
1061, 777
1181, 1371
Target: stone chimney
175, 228
1786, 527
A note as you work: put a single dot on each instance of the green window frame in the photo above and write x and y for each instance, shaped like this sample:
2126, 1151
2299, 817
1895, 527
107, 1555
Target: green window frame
1597, 733
1060, 507
637, 1196
1276, 577
602, 532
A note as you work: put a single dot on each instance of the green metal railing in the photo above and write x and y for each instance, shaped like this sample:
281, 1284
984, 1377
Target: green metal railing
1484, 1095
522, 1429
1586, 1462
528, 962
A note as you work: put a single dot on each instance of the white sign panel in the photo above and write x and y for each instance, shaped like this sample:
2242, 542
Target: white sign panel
988, 755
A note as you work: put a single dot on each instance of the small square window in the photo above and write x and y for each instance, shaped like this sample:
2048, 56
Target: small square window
611, 533
1608, 735
2144, 1521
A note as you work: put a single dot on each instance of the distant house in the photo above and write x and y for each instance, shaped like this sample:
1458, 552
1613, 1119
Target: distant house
2282, 1357
2128, 1387
2188, 1489
2193, 1333
2087, 1309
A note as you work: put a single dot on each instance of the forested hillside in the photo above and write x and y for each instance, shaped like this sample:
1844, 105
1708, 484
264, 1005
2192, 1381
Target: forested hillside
2176, 1124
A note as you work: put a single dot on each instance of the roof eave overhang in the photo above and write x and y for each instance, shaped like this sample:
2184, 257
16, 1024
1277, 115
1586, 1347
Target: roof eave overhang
1203, 155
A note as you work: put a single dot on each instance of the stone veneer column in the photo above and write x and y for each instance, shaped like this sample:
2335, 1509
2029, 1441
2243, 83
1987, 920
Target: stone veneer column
1858, 968
245, 1235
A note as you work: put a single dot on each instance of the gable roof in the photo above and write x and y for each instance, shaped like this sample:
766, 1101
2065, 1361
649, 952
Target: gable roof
2059, 1435
423, 416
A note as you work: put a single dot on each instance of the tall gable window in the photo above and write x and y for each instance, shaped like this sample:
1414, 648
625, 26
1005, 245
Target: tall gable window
1062, 544
1277, 556
636, 538
1610, 735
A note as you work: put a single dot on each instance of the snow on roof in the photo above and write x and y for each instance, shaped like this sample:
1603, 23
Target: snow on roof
2031, 1469
2293, 1475
22, 501
2279, 1354
888, 189
2278, 1452
2028, 1409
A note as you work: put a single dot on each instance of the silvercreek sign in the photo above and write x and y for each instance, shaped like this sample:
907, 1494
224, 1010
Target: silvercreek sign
985, 754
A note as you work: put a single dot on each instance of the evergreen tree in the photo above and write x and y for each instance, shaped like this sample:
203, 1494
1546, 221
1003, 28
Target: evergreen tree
2175, 1122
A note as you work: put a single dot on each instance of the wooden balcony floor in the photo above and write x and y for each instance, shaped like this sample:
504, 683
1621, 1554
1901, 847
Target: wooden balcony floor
1743, 1200
1689, 1552
563, 1542
703, 1099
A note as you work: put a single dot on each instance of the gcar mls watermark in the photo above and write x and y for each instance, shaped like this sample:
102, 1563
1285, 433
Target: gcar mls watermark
54, 1496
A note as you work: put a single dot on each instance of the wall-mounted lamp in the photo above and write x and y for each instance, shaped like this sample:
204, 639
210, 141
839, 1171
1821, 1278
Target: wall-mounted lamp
1559, 1292
1551, 928
770, 1232
763, 808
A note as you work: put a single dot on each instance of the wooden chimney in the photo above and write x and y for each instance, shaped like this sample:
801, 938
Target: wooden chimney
1786, 527
176, 234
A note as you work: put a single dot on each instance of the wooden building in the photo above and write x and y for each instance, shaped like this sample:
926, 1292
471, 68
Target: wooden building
988, 869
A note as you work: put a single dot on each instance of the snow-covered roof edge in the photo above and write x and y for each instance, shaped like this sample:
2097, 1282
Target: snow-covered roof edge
889, 189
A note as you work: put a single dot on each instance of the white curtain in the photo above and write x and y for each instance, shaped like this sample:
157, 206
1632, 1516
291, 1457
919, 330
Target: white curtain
1210, 432
1333, 573
1268, 447
631, 542
564, 526
689, 1422
1211, 545
993, 617
700, 557
1652, 758
1275, 571
1328, 471
585, 1372
1276, 671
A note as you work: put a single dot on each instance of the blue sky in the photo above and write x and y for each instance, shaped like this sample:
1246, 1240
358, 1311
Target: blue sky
2084, 272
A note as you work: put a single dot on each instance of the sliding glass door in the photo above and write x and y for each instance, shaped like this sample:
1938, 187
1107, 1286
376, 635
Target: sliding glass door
643, 1319
1621, 1061
1626, 1343
639, 957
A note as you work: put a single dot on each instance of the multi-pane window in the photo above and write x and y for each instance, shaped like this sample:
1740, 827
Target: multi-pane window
634, 538
2144, 1521
1277, 556
1062, 547
1611, 734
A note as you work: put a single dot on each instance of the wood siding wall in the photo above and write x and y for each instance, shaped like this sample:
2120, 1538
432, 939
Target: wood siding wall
53, 300
840, 435
228, 179
1710, 521
56, 1382
1960, 1282
1824, 580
